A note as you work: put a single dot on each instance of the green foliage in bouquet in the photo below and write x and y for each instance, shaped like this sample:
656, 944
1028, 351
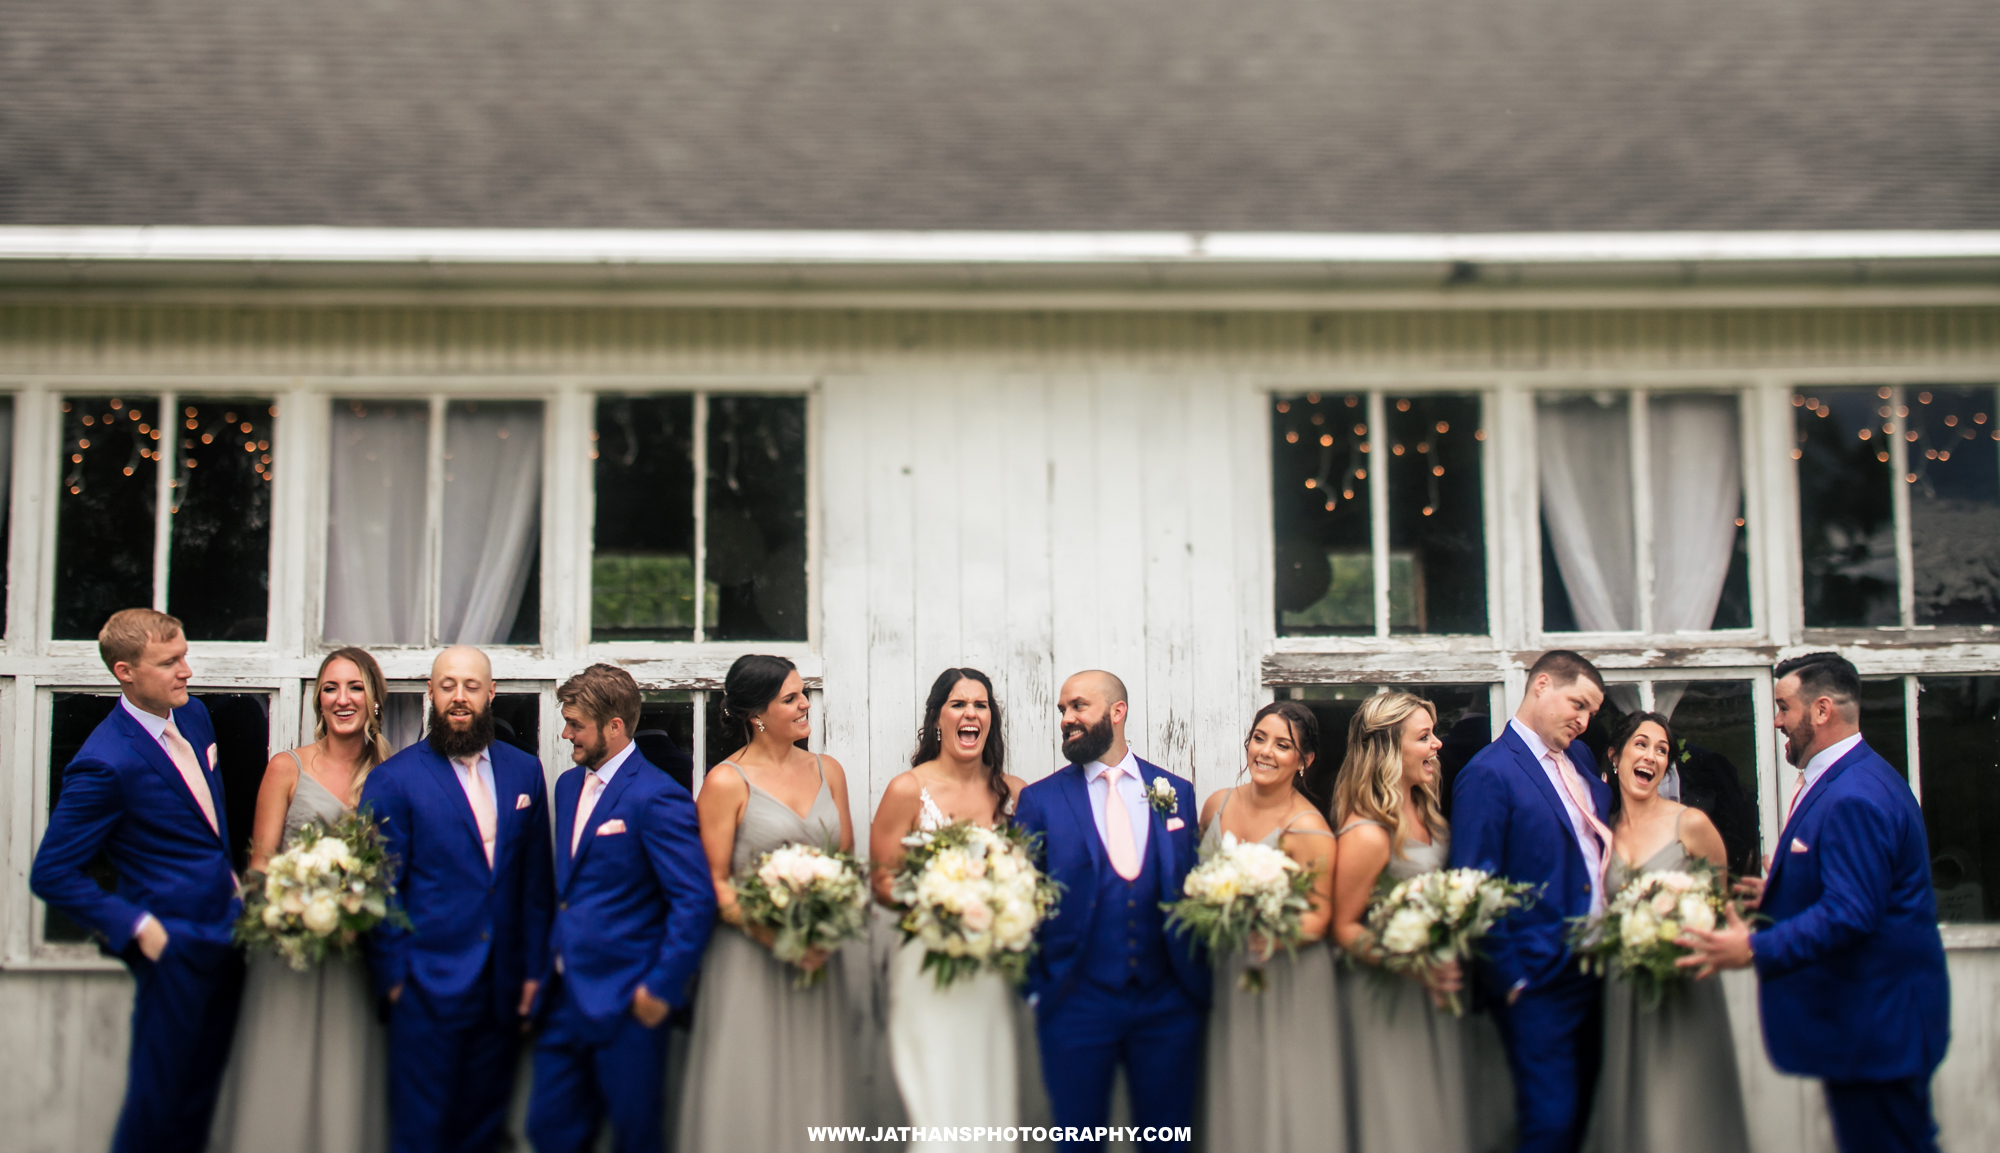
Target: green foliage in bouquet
329, 886
1243, 890
808, 898
974, 898
1435, 918
1634, 939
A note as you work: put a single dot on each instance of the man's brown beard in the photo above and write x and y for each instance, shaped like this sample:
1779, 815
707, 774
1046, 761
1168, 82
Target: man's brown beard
456, 746
1090, 744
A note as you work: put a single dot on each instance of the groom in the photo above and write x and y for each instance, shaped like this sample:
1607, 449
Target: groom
1110, 985
1529, 807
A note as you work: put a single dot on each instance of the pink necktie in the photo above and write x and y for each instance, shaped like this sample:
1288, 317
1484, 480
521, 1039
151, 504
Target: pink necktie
1798, 791
182, 755
1580, 797
1118, 828
483, 812
592, 785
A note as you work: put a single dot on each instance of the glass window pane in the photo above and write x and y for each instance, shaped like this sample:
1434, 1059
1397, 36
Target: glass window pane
1954, 482
1715, 730
1437, 521
219, 576
73, 718
1319, 501
666, 734
375, 523
517, 721
6, 483
1884, 725
1464, 725
642, 563
756, 533
1847, 537
1958, 730
492, 546
1588, 564
104, 513
242, 748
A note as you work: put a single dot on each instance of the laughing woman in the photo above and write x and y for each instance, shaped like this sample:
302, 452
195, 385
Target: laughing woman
1273, 1070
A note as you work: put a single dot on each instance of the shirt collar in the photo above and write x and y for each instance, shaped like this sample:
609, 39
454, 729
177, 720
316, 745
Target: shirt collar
1129, 766
483, 761
1826, 757
605, 770
156, 725
1536, 746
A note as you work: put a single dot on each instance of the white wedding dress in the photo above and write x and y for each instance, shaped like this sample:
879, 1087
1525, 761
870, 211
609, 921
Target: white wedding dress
952, 1048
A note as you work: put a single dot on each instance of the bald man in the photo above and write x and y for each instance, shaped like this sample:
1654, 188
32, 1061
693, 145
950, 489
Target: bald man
467, 822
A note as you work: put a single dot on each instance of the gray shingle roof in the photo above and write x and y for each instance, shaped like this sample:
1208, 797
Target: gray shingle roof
1334, 115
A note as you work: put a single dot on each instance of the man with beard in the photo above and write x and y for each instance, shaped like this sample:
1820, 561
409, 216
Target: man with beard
1851, 977
1110, 984
466, 822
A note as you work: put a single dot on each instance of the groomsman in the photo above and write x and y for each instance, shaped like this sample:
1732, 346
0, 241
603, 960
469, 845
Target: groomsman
1110, 984
1530, 807
467, 822
1851, 979
634, 906
145, 791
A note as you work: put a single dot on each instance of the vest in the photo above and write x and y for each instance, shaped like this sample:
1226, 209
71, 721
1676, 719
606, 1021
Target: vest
1128, 940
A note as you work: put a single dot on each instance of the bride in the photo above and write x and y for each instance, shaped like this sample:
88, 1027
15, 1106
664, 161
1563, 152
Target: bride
954, 1049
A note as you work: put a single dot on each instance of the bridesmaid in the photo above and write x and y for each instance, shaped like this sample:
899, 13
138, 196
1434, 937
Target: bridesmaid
308, 1073
1669, 1079
766, 1059
1411, 1091
1273, 1068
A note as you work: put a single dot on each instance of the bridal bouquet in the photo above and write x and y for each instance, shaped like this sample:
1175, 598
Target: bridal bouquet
974, 898
321, 894
1438, 917
1635, 937
809, 898
1245, 889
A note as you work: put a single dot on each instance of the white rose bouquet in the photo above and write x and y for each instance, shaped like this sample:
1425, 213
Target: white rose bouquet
809, 898
974, 898
321, 894
1634, 939
1438, 917
1246, 889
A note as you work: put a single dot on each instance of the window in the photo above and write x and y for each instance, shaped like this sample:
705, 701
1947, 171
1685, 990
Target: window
1716, 743
1642, 513
1380, 521
192, 539
6, 503
1465, 725
517, 718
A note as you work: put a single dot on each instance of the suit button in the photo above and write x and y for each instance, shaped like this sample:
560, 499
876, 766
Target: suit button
1133, 962
563, 906
486, 936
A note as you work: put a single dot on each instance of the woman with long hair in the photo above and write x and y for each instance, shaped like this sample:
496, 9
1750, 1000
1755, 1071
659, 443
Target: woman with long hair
1273, 1070
956, 1051
308, 1070
767, 1059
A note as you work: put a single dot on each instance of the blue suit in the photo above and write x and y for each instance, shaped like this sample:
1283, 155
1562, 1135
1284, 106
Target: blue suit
479, 933
1851, 973
122, 794
1508, 819
1109, 982
633, 907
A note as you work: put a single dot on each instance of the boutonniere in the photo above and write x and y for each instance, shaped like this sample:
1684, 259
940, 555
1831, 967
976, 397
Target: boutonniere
1160, 794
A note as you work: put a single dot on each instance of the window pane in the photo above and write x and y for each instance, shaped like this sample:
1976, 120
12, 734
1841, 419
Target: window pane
1588, 563
219, 577
1464, 725
756, 546
1883, 724
1958, 730
1954, 482
517, 721
74, 717
403, 719
375, 523
642, 563
6, 482
1715, 730
104, 513
242, 748
666, 734
1847, 539
492, 544
1437, 522
1319, 501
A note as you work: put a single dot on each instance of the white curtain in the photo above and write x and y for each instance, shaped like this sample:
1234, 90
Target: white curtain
492, 513
1697, 493
375, 524
1585, 447
403, 719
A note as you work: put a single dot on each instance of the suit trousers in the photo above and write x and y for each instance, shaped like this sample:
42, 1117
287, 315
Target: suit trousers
1555, 1042
1154, 1031
183, 1020
583, 1074
451, 1071
1882, 1116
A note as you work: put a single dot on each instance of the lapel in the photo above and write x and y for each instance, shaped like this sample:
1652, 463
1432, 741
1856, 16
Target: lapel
601, 812
565, 801
446, 779
1540, 778
1076, 790
1158, 841
1813, 795
154, 755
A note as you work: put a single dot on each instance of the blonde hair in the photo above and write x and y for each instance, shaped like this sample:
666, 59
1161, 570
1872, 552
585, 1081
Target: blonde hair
603, 692
125, 636
1370, 785
374, 745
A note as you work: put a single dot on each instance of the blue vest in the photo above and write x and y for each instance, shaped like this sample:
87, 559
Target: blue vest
1128, 942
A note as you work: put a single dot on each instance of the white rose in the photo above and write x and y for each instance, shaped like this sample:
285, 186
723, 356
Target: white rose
978, 916
293, 904
322, 916
1408, 931
1664, 901
1696, 913
1638, 929
274, 917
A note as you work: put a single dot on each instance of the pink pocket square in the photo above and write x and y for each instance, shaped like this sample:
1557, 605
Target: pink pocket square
1798, 846
522, 802
611, 827
1175, 824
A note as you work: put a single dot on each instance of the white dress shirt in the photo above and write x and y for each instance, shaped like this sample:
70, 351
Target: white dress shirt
1131, 790
1586, 840
157, 726
1817, 767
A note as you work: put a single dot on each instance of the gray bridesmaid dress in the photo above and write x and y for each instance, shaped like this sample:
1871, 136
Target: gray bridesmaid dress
1272, 1079
1669, 1081
767, 1060
309, 1070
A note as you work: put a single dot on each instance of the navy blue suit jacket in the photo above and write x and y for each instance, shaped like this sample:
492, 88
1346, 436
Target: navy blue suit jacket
122, 794
1508, 820
1058, 808
462, 911
1851, 976
635, 906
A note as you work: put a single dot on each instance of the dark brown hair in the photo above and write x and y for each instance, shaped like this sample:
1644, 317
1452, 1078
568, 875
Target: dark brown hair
930, 742
602, 692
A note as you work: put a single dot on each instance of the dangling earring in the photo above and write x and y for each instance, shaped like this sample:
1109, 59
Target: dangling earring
759, 724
